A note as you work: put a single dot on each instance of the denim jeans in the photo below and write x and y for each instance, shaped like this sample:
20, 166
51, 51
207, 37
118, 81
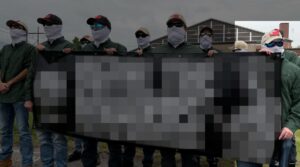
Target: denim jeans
119, 159
8, 112
168, 158
78, 144
284, 153
148, 156
89, 153
53, 149
247, 164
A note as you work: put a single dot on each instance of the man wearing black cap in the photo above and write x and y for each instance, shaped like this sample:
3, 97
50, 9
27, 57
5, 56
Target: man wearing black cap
101, 28
53, 146
205, 40
177, 45
16, 75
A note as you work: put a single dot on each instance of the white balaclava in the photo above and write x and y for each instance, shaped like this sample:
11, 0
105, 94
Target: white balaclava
53, 32
17, 35
176, 36
100, 36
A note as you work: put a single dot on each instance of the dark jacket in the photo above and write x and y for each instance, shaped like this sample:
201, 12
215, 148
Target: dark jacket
121, 50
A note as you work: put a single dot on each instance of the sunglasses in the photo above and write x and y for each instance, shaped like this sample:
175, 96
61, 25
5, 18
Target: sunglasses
176, 24
205, 33
274, 43
140, 34
47, 24
97, 26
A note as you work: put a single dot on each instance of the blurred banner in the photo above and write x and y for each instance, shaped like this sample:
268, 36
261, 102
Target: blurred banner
227, 105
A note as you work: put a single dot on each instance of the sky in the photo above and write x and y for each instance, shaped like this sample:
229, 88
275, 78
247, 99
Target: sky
266, 26
127, 16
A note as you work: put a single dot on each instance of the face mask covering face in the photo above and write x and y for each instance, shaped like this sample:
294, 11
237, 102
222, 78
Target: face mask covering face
17, 35
100, 36
176, 36
53, 32
143, 42
275, 49
205, 42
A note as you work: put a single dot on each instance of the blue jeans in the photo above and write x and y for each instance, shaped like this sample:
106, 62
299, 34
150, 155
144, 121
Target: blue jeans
247, 164
53, 149
117, 158
148, 156
78, 144
168, 158
89, 153
284, 153
8, 112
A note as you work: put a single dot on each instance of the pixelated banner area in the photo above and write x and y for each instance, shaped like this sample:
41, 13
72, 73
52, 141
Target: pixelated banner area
227, 105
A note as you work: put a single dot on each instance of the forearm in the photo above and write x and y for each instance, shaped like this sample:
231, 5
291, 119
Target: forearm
18, 78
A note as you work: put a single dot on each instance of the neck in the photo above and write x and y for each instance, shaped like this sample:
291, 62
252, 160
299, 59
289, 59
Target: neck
98, 43
18, 40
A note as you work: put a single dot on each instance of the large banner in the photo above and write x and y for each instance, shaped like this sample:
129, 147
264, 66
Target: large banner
227, 105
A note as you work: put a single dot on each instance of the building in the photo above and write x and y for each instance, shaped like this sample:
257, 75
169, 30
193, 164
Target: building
225, 34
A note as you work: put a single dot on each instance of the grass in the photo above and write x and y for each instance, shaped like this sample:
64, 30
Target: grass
104, 148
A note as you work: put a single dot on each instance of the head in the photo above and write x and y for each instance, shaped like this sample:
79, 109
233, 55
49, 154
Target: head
240, 46
143, 37
86, 40
100, 27
18, 30
52, 26
176, 29
273, 40
205, 38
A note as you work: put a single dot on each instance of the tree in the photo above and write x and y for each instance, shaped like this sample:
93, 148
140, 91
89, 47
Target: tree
76, 43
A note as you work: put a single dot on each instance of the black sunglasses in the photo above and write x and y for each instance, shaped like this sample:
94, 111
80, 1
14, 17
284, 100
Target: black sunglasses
176, 24
48, 24
140, 34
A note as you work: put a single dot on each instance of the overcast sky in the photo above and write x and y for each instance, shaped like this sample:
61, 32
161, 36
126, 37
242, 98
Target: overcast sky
128, 15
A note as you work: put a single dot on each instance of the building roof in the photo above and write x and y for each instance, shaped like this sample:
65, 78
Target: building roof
224, 32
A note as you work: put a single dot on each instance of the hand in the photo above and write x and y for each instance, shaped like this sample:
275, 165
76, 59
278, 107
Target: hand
266, 50
4, 87
28, 105
110, 51
67, 50
40, 47
139, 51
286, 133
211, 53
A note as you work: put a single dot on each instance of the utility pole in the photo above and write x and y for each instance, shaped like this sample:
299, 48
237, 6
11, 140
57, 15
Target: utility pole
37, 34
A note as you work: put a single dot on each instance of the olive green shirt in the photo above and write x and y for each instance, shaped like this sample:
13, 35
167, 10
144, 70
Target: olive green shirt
13, 60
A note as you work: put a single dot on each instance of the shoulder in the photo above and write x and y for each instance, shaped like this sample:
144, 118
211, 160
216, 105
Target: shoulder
88, 47
116, 44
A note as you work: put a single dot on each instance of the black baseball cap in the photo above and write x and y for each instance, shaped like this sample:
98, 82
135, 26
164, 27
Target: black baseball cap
207, 29
50, 19
99, 19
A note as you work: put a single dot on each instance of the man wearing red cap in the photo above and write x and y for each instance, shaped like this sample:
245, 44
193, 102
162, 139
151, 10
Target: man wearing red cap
16, 75
101, 28
53, 146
